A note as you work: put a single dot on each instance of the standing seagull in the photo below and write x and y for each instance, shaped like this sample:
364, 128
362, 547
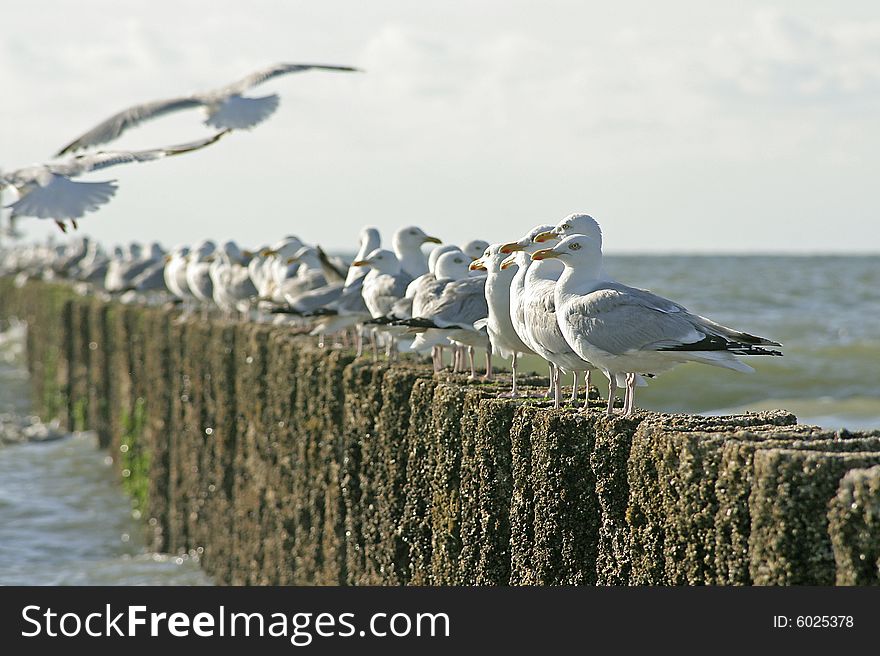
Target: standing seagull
383, 286
623, 330
502, 335
46, 191
227, 108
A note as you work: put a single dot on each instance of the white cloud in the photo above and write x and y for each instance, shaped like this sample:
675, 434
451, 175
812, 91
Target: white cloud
782, 58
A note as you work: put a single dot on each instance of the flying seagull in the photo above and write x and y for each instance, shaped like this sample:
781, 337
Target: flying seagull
227, 108
46, 191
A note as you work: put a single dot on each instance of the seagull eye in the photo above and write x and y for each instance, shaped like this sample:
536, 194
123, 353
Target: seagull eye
412, 232
574, 247
565, 226
458, 260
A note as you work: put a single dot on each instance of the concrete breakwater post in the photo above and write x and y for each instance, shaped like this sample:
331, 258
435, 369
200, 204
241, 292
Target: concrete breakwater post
276, 462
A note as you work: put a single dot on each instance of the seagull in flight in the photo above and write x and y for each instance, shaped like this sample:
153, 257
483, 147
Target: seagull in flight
227, 108
47, 191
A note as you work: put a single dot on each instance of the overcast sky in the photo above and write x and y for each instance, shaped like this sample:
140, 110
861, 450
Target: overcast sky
681, 126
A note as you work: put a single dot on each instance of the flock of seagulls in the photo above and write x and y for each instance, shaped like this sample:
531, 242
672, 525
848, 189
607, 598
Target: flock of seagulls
48, 191
546, 294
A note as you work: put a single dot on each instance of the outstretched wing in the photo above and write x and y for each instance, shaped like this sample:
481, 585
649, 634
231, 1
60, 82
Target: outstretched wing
258, 77
62, 198
241, 113
114, 126
105, 159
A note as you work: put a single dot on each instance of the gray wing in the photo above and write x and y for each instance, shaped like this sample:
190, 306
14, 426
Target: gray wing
258, 77
426, 289
618, 322
241, 112
61, 198
241, 286
105, 159
383, 291
351, 301
316, 298
403, 308
150, 279
711, 336
114, 126
291, 288
462, 303
539, 314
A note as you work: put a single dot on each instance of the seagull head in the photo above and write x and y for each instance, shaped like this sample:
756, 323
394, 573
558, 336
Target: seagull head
490, 260
381, 260
412, 237
285, 248
574, 251
478, 265
573, 224
307, 255
437, 252
452, 265
370, 239
526, 243
519, 258
475, 248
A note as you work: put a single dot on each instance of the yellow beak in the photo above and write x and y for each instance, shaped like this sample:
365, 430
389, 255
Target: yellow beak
544, 254
507, 262
477, 265
541, 237
266, 252
510, 247
431, 240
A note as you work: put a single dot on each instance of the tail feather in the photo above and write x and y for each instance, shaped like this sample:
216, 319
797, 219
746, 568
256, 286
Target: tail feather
736, 335
720, 343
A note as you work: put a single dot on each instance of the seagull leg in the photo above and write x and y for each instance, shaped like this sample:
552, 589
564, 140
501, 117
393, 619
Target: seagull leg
391, 349
574, 387
360, 341
513, 373
612, 386
489, 375
470, 352
587, 377
557, 387
375, 346
630, 405
437, 356
552, 374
